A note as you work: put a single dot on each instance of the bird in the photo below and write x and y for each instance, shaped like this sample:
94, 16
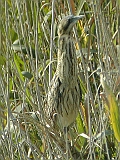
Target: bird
64, 93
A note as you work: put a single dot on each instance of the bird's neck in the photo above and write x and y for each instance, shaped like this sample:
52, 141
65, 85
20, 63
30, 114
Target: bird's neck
67, 60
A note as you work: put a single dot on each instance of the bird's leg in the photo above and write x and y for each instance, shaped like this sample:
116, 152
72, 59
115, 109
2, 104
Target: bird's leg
68, 151
66, 140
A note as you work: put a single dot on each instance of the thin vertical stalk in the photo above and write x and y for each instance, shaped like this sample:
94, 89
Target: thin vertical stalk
51, 42
7, 80
98, 16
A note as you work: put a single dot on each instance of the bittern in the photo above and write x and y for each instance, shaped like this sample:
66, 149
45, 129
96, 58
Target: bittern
64, 93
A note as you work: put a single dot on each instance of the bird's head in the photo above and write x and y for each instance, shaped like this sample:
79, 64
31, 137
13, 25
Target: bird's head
67, 23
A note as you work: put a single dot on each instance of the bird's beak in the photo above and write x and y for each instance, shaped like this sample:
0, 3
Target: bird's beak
79, 17
76, 18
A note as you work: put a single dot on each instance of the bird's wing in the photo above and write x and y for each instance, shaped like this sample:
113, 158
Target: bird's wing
54, 93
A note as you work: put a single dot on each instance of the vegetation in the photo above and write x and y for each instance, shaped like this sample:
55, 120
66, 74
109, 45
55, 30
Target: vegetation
28, 53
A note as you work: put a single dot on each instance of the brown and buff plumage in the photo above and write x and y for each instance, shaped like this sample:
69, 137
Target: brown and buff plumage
64, 95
